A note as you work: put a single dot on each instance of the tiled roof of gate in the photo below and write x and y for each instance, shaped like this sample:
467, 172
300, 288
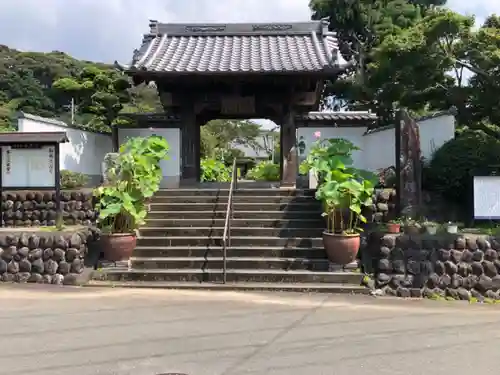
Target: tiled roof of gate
238, 48
338, 116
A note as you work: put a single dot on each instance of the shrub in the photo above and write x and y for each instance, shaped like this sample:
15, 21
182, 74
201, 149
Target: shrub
73, 180
122, 203
214, 171
264, 171
452, 166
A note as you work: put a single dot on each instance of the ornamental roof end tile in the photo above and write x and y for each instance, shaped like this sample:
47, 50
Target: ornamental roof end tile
238, 48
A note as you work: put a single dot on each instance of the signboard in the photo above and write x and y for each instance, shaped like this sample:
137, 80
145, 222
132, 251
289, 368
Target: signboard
28, 167
486, 197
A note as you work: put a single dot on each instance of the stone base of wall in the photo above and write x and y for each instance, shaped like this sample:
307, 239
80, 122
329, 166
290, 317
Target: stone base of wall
45, 257
383, 208
38, 208
450, 266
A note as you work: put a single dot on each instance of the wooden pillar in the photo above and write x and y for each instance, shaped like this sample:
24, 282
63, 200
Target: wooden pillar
288, 150
114, 139
189, 145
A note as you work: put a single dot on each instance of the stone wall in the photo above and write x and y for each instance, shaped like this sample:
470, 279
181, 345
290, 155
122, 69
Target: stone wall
38, 208
444, 265
45, 257
383, 208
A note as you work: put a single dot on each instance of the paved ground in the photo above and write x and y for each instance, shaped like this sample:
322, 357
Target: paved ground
85, 331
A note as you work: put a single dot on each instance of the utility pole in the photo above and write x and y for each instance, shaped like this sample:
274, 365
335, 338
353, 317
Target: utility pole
72, 111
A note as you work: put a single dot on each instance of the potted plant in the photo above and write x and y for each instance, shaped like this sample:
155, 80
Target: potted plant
344, 191
431, 227
122, 203
393, 226
452, 227
411, 226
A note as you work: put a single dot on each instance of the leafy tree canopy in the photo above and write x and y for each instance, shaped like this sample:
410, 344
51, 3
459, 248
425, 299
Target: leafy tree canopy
416, 54
27, 83
218, 136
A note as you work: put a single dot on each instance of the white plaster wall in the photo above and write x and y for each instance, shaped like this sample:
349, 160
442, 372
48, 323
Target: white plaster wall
434, 133
83, 153
171, 168
378, 148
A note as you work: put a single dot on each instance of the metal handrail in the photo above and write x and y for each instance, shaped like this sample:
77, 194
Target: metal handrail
226, 237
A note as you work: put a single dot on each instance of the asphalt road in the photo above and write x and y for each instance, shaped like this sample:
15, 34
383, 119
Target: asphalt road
60, 331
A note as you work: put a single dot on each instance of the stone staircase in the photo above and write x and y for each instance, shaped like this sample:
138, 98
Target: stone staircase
276, 244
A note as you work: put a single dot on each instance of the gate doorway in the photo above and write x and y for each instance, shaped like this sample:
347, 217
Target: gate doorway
237, 71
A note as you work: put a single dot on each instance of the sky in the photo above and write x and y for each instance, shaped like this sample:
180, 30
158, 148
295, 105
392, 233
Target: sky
109, 30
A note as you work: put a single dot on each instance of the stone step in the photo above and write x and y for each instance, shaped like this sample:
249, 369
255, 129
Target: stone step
242, 184
221, 214
244, 191
239, 223
216, 275
262, 287
301, 242
235, 231
237, 199
210, 262
217, 251
222, 206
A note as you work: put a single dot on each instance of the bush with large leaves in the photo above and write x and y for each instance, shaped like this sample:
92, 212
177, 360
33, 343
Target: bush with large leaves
214, 171
342, 188
452, 167
265, 171
122, 203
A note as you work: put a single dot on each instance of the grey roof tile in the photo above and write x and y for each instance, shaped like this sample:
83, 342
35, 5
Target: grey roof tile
338, 116
238, 48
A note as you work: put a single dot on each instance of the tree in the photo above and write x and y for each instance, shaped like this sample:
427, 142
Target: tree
100, 93
362, 26
483, 58
26, 84
421, 72
218, 136
445, 46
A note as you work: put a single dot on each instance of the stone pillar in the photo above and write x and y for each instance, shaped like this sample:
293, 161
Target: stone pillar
288, 150
190, 144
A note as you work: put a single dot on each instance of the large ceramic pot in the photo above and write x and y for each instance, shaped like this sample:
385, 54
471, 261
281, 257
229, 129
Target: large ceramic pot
393, 228
341, 248
117, 246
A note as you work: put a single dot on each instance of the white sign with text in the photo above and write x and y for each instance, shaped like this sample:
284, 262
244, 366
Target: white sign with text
28, 167
487, 197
